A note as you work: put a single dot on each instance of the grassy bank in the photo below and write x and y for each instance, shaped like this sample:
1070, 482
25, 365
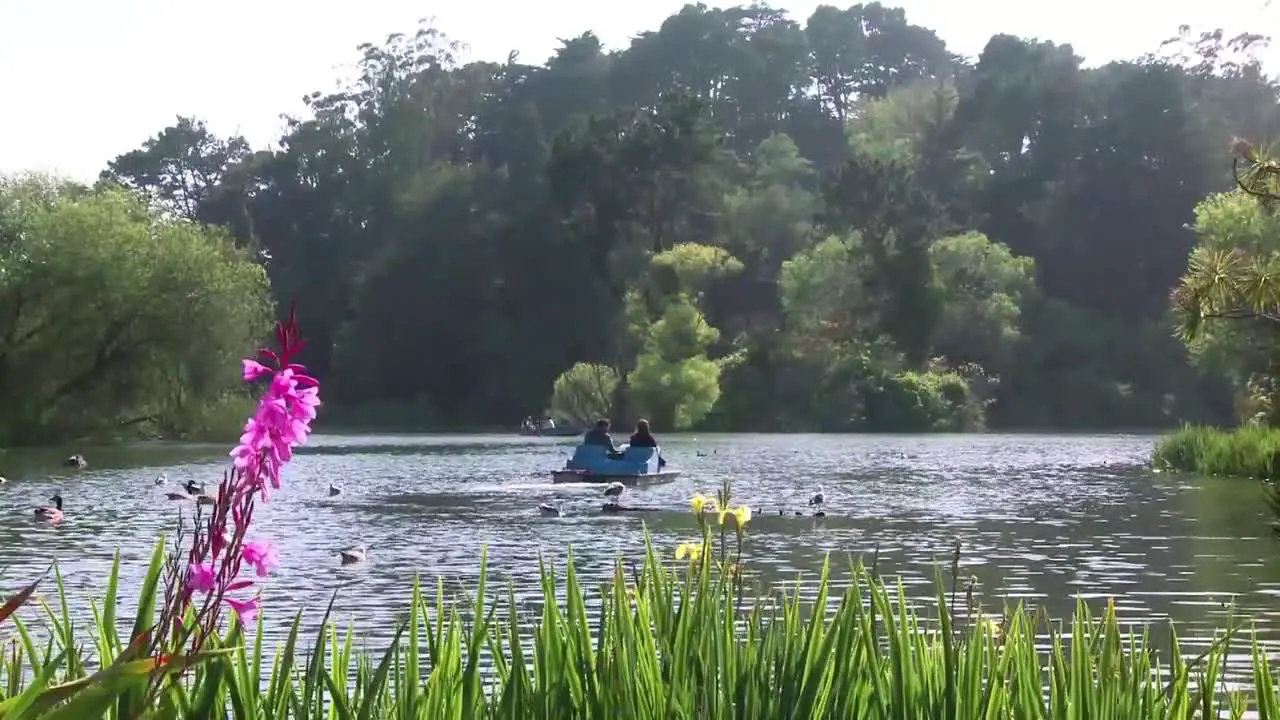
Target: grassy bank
1248, 452
666, 639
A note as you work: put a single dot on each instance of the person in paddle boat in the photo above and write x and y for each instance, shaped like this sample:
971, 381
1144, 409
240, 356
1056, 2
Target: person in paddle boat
599, 435
643, 438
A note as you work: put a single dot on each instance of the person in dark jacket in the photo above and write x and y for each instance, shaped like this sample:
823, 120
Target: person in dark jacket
599, 435
643, 438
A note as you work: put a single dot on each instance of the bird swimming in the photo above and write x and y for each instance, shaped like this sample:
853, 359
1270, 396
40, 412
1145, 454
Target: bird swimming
52, 513
614, 490
818, 498
190, 491
353, 555
553, 510
76, 461
162, 479
334, 490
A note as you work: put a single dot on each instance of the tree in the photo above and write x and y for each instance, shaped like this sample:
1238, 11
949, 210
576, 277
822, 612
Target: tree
458, 234
180, 167
984, 287
116, 316
583, 393
1227, 306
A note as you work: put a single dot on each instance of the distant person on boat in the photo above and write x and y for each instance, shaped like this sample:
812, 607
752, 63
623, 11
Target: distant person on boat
599, 435
643, 438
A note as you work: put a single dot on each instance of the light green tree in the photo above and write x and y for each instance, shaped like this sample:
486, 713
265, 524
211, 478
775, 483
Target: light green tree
113, 317
584, 392
674, 382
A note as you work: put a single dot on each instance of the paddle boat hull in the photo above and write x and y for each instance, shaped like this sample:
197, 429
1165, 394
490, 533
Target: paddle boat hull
592, 464
580, 476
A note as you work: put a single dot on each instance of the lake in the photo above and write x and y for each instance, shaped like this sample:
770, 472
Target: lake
1041, 518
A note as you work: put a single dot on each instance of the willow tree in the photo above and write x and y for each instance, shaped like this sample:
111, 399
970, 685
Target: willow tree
117, 318
1227, 305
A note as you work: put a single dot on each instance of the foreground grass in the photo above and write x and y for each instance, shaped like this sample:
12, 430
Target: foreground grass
1248, 452
663, 642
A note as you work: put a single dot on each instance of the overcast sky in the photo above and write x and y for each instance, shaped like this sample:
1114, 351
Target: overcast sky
84, 81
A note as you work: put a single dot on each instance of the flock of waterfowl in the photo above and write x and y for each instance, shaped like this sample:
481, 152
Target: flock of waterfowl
190, 491
613, 492
193, 492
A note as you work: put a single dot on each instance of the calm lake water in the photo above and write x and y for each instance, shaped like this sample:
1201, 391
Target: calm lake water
1041, 519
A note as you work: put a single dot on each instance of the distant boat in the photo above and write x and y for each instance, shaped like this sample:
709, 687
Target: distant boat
592, 464
549, 429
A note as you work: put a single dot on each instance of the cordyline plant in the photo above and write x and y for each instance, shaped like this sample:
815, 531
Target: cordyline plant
209, 575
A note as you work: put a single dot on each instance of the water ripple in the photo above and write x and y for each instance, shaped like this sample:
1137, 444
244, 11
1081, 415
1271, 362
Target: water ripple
1041, 520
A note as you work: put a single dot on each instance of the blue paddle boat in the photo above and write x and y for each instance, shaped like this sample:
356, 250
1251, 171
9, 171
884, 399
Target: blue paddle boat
592, 464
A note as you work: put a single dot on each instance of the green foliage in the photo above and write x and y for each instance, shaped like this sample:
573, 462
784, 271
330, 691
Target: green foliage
1227, 305
688, 636
1231, 274
822, 286
925, 402
984, 288
117, 318
899, 126
1251, 451
459, 234
693, 266
584, 393
674, 382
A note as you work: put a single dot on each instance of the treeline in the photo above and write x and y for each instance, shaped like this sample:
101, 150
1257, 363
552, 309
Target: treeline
741, 222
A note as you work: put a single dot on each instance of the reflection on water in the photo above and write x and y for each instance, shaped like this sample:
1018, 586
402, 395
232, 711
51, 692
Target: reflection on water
1041, 519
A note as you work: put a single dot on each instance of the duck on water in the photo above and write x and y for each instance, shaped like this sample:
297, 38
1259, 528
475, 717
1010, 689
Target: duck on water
52, 513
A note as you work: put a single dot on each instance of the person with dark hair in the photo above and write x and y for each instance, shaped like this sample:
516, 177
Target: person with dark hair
643, 438
599, 435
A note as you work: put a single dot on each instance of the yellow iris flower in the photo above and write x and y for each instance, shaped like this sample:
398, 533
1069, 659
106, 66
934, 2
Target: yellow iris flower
700, 502
693, 551
737, 517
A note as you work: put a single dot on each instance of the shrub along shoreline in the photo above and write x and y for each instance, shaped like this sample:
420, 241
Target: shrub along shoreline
669, 639
1250, 451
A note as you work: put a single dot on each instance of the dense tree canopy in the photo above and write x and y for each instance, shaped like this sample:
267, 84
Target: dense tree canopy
113, 316
741, 221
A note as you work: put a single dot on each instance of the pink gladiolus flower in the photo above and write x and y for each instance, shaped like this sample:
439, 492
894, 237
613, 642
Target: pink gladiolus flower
254, 370
201, 577
261, 555
280, 423
246, 609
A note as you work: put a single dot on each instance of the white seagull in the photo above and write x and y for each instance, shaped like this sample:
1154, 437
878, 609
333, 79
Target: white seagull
353, 555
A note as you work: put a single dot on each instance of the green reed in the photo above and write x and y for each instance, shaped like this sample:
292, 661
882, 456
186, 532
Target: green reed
1250, 451
666, 640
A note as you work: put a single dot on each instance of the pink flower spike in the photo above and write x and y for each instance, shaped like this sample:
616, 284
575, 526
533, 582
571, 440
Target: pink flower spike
261, 555
239, 585
246, 609
254, 370
201, 577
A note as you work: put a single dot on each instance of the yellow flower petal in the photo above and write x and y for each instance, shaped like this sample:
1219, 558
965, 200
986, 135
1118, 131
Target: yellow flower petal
699, 503
743, 515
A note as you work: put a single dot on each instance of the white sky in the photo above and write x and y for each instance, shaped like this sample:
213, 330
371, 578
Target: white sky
82, 81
